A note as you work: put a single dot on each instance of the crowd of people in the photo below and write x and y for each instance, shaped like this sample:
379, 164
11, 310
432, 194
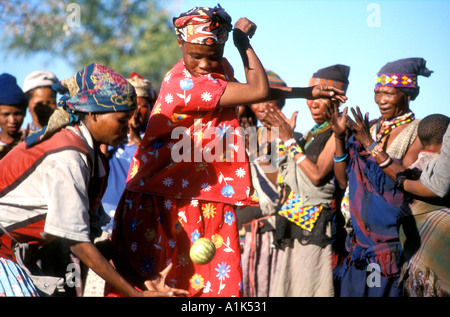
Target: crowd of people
107, 189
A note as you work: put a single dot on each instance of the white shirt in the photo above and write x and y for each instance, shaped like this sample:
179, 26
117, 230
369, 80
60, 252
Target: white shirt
436, 175
56, 190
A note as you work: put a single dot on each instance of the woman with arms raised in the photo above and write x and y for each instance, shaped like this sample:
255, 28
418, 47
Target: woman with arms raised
376, 152
184, 181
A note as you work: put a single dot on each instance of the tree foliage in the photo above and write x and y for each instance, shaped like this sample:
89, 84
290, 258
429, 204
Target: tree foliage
125, 35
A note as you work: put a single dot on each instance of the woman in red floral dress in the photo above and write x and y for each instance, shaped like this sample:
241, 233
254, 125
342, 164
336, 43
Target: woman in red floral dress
191, 169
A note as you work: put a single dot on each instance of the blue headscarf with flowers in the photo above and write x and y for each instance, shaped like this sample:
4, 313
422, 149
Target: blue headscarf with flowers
95, 88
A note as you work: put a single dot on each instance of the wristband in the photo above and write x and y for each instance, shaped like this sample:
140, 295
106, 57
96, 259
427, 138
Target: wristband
399, 182
386, 162
300, 159
289, 142
294, 150
372, 146
341, 158
374, 149
303, 92
240, 38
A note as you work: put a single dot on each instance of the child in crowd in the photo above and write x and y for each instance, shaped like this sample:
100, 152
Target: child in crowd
424, 223
41, 97
13, 105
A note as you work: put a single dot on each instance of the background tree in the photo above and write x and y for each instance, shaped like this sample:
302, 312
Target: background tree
125, 35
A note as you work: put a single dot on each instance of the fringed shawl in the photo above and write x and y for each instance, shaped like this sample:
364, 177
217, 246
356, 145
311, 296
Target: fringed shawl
374, 206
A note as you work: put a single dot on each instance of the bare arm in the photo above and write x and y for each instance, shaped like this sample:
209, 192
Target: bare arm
318, 173
416, 187
91, 256
338, 123
257, 86
313, 92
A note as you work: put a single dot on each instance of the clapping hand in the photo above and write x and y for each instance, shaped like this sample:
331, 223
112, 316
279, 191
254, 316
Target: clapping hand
273, 117
339, 122
336, 120
360, 127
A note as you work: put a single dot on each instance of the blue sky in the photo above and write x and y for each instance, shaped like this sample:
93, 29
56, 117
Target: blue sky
295, 38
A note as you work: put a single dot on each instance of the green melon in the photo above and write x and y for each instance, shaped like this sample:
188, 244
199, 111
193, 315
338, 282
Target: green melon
202, 251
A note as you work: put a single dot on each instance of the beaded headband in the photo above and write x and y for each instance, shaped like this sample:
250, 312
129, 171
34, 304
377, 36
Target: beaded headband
396, 80
335, 83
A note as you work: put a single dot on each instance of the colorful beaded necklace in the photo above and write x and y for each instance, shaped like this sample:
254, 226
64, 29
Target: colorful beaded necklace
387, 126
317, 129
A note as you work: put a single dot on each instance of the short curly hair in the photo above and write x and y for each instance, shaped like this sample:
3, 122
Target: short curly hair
432, 128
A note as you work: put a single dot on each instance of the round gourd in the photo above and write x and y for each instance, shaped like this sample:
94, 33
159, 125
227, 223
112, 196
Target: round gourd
202, 251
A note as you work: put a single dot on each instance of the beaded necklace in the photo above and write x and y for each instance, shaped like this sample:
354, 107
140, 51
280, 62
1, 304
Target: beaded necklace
387, 126
317, 129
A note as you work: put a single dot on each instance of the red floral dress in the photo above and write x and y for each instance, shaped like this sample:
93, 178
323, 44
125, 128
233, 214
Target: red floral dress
188, 173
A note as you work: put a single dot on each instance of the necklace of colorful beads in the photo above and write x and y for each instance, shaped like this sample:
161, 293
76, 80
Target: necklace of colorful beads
387, 126
317, 129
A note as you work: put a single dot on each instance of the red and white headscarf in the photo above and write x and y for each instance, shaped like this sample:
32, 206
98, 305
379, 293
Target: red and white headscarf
203, 25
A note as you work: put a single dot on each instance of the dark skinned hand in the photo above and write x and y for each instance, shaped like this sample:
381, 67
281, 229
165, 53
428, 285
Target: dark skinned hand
328, 92
251, 138
243, 29
273, 117
157, 286
135, 122
336, 120
360, 127
246, 26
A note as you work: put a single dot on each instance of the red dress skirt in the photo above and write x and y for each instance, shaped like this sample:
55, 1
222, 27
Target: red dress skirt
154, 231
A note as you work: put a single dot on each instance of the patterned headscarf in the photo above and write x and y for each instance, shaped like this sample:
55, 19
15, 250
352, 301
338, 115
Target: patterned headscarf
402, 74
142, 86
95, 88
336, 75
274, 79
203, 25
